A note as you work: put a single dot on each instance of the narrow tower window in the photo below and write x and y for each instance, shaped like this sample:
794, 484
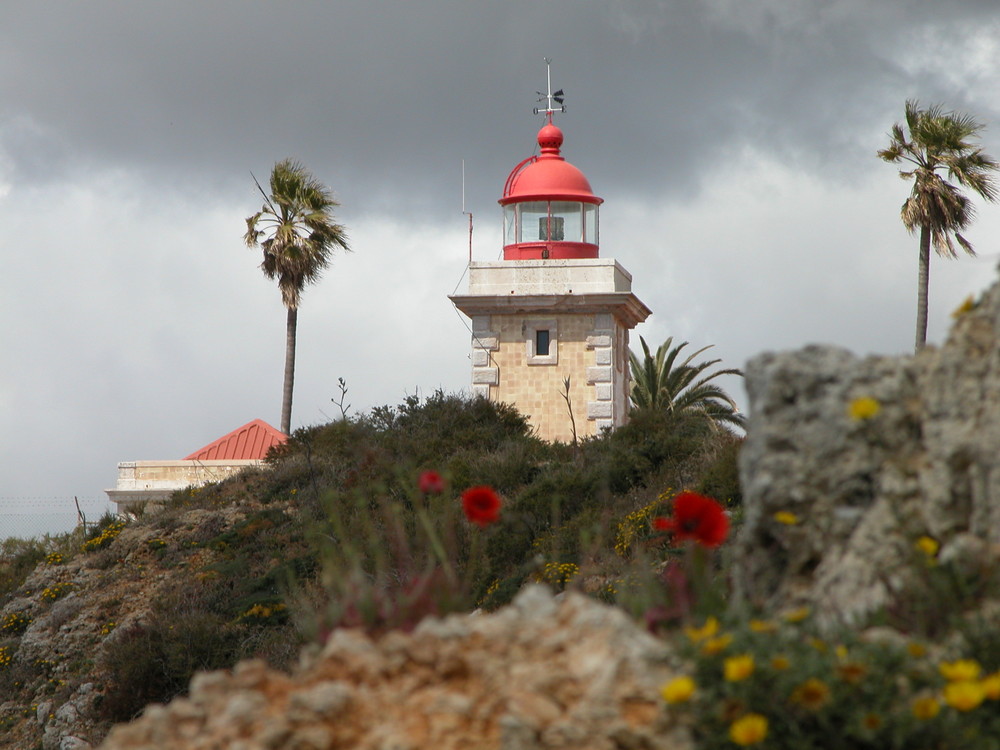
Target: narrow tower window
542, 343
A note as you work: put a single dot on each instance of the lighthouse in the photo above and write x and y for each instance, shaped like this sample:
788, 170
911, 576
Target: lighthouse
550, 322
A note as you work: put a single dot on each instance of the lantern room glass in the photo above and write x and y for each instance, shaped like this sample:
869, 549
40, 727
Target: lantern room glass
533, 219
590, 223
550, 221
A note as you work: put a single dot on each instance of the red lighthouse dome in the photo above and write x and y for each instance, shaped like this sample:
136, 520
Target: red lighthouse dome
550, 210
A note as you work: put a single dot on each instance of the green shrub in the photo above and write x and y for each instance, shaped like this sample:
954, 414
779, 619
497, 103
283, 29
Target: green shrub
780, 684
14, 623
721, 477
106, 531
18, 557
153, 663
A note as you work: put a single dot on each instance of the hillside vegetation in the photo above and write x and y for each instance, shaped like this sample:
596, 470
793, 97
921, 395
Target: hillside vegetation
339, 529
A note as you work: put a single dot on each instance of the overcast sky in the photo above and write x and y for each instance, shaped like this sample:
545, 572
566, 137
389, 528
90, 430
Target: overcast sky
732, 140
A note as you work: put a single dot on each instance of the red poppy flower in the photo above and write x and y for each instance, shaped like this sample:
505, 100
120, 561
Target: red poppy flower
481, 505
662, 524
699, 518
431, 483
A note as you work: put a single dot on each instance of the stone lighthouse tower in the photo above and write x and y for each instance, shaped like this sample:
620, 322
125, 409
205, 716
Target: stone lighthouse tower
552, 311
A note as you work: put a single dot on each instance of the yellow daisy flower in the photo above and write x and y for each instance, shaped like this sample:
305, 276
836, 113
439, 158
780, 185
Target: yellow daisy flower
863, 408
968, 305
716, 645
737, 668
748, 730
812, 694
780, 663
925, 707
928, 545
964, 695
678, 690
797, 615
991, 686
963, 670
697, 635
786, 517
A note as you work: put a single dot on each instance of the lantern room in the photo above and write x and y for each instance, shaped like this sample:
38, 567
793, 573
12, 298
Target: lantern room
549, 208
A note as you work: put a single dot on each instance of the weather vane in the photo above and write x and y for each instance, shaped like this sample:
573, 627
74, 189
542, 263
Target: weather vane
550, 96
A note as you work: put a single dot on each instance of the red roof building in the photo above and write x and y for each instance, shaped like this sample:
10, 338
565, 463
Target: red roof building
141, 482
252, 441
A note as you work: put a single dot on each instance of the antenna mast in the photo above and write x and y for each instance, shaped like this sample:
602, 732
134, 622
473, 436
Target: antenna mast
467, 213
549, 96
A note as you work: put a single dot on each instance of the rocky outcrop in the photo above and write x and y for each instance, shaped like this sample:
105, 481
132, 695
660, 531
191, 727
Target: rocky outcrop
869, 455
541, 673
69, 612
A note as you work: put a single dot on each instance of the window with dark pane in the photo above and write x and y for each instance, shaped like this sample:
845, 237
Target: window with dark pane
542, 343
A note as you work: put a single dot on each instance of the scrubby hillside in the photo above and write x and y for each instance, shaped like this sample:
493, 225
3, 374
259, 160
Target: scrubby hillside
336, 530
856, 608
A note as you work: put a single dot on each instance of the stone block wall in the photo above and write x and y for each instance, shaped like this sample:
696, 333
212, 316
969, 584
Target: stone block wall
153, 481
588, 349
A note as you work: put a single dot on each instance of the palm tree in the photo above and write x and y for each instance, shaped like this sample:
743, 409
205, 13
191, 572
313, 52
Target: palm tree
938, 141
661, 382
301, 235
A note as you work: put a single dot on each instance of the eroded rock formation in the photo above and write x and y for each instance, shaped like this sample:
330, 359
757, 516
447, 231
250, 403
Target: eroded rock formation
541, 673
866, 486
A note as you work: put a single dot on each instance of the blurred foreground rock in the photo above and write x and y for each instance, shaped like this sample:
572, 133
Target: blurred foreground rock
541, 673
865, 488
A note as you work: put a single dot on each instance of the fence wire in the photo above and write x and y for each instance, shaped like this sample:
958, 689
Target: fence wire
27, 517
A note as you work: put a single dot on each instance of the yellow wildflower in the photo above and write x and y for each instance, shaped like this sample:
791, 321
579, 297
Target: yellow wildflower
797, 615
916, 650
926, 707
872, 722
928, 545
991, 686
678, 690
819, 644
963, 670
717, 645
852, 672
964, 695
737, 668
786, 517
841, 651
812, 694
968, 305
780, 663
697, 635
763, 626
863, 408
748, 730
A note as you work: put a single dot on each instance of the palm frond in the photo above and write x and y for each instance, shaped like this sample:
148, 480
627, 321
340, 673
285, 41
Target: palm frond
941, 141
301, 234
665, 382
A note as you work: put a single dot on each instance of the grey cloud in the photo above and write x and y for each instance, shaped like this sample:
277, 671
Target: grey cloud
733, 142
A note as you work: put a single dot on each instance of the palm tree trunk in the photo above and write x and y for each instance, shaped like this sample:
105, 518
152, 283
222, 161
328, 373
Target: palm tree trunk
286, 396
922, 283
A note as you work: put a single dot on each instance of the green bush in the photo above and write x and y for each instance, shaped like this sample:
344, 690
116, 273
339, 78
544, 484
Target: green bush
18, 557
780, 683
153, 663
721, 477
104, 532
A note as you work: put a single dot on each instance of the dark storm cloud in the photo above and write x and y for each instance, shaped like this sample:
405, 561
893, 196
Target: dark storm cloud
733, 141
381, 98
